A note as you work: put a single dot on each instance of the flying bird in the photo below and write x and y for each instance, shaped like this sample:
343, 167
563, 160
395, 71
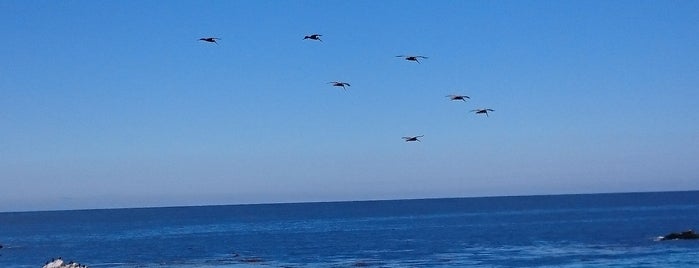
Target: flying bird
412, 58
458, 97
313, 37
339, 84
210, 39
482, 111
413, 138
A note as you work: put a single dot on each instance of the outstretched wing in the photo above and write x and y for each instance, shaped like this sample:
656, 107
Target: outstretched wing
458, 96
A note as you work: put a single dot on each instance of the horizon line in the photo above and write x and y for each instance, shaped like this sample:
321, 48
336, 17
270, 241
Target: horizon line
348, 201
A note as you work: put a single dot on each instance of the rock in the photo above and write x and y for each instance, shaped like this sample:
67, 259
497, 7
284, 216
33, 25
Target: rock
689, 234
58, 263
252, 260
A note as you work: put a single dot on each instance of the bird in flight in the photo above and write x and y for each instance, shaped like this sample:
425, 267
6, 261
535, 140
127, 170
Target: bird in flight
458, 97
482, 111
313, 37
210, 39
412, 58
339, 84
413, 138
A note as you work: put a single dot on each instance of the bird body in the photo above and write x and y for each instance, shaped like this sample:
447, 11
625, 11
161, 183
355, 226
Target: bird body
210, 39
458, 97
339, 84
412, 138
412, 58
482, 111
313, 37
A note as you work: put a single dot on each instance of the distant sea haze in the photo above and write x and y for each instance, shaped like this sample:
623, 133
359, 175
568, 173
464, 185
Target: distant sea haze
597, 230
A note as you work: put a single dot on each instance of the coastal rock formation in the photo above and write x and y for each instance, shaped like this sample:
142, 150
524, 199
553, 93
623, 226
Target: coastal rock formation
689, 234
58, 263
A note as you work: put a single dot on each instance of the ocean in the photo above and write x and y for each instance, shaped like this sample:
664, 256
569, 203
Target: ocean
590, 230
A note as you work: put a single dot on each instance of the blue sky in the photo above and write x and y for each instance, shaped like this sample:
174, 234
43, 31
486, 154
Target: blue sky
116, 103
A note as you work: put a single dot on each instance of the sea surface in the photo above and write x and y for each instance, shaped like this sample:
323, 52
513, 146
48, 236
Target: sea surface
596, 230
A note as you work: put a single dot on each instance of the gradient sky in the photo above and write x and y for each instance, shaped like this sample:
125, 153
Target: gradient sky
116, 104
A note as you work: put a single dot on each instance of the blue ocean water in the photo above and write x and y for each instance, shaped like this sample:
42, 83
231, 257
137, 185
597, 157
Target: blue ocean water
598, 230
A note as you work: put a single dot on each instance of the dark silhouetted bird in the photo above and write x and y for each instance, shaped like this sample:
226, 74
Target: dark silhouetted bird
412, 58
339, 84
313, 37
210, 39
413, 138
482, 111
458, 97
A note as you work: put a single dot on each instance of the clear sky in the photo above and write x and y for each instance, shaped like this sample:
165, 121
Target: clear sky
117, 104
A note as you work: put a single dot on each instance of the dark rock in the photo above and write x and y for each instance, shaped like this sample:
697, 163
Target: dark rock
252, 260
689, 234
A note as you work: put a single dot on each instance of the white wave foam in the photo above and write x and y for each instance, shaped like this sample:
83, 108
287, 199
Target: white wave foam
59, 263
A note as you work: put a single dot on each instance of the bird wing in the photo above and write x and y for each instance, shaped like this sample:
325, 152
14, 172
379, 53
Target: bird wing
490, 110
421, 57
401, 56
346, 84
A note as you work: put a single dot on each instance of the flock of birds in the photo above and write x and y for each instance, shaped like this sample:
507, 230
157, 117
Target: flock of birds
344, 85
